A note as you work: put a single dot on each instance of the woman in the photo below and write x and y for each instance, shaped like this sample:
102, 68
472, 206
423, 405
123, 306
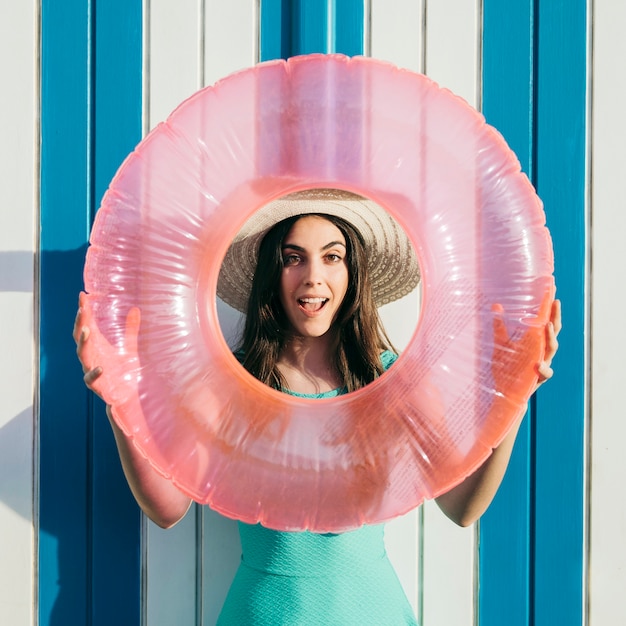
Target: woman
321, 262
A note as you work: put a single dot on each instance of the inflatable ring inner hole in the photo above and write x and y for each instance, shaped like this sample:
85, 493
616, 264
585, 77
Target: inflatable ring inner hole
392, 259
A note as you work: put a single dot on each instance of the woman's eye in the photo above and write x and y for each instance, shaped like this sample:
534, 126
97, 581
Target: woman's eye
333, 257
291, 259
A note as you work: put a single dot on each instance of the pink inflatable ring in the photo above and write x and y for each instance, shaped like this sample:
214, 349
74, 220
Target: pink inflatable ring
478, 229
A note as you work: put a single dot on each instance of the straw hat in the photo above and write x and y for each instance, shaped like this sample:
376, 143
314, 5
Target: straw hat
393, 268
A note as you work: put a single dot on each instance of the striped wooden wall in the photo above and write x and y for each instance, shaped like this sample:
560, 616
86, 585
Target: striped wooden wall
111, 71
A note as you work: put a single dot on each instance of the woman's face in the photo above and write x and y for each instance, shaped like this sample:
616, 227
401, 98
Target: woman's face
315, 277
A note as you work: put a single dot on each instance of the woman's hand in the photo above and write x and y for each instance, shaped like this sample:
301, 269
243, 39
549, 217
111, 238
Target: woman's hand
466, 502
157, 496
96, 354
553, 328
81, 337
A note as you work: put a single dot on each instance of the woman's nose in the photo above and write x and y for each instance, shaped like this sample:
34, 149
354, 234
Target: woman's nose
313, 275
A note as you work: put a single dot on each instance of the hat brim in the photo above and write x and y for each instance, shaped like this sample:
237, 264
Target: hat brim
392, 264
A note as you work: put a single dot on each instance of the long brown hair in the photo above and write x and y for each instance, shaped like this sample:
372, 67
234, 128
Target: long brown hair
359, 331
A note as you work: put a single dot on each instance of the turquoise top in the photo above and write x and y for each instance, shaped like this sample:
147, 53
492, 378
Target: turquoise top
305, 579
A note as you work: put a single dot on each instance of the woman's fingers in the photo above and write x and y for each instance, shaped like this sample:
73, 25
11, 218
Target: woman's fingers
92, 375
96, 354
555, 316
553, 328
544, 372
81, 334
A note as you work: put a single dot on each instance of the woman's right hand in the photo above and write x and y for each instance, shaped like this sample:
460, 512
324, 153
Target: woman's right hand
96, 354
157, 496
81, 337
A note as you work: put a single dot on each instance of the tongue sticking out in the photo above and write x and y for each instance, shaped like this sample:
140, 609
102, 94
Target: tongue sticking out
312, 304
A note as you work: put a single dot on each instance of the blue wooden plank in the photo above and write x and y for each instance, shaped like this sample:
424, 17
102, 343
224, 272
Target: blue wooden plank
561, 182
64, 581
555, 147
117, 128
275, 30
292, 27
309, 27
89, 524
505, 530
348, 27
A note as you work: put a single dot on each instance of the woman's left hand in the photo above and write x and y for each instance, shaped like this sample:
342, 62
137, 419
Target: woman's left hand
553, 328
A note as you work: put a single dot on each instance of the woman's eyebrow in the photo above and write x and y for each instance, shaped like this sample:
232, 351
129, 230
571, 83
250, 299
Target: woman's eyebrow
292, 246
332, 244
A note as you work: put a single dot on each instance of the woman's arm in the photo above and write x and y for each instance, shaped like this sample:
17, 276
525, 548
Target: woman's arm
466, 502
157, 496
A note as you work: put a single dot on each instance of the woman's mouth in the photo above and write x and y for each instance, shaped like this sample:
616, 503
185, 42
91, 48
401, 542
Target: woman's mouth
312, 305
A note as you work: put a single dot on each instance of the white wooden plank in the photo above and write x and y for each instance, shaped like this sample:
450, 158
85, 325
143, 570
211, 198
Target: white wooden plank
19, 43
400, 319
221, 556
230, 44
171, 573
448, 578
173, 72
442, 40
188, 44
607, 574
172, 55
453, 35
397, 32
452, 52
230, 37
397, 35
402, 538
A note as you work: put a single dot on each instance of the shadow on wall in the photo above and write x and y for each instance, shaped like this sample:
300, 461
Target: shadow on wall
15, 490
17, 276
16, 271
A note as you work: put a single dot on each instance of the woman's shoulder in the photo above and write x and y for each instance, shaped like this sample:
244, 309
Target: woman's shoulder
388, 358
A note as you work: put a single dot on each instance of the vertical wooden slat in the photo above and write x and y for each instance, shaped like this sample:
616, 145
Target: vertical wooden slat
561, 177
398, 35
173, 70
452, 46
171, 594
188, 566
64, 580
117, 127
505, 572
274, 30
219, 559
19, 53
542, 115
91, 118
607, 574
451, 58
347, 22
173, 58
293, 27
231, 37
310, 27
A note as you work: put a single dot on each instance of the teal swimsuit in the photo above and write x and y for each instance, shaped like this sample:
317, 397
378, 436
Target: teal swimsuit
305, 579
